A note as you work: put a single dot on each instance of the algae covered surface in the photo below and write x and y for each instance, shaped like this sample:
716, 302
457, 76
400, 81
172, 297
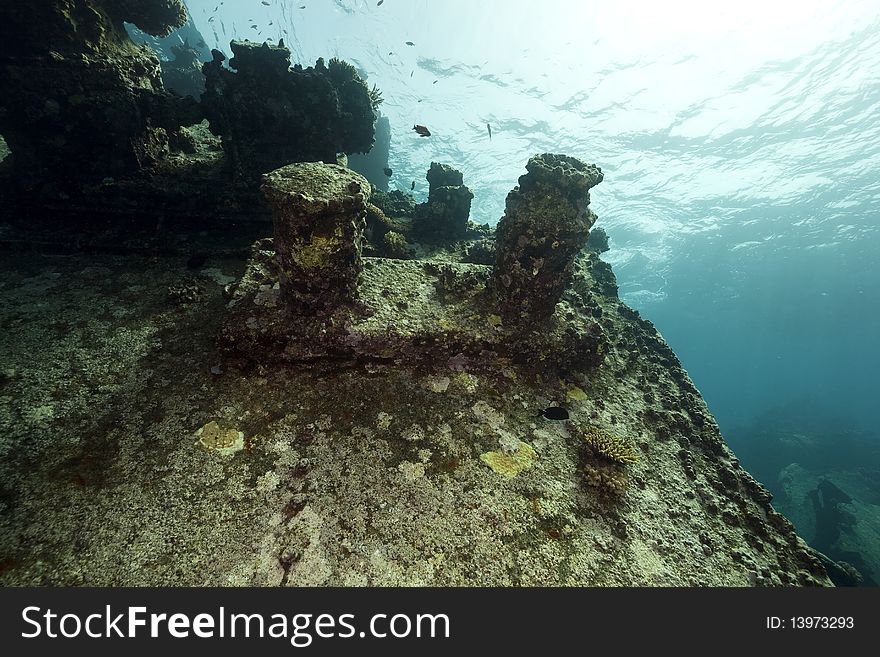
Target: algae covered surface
345, 473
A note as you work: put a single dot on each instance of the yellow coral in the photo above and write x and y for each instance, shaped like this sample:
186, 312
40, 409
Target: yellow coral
575, 394
610, 445
510, 465
226, 441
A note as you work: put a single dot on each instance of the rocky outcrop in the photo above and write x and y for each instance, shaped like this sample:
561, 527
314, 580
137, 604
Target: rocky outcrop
183, 74
78, 100
269, 115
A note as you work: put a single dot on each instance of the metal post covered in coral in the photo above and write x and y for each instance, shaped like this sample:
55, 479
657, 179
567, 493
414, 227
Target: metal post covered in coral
545, 224
318, 212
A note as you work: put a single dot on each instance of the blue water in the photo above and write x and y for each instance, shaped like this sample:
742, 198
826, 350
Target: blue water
741, 146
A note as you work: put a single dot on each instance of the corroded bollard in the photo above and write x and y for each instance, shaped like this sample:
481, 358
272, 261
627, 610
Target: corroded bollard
546, 223
444, 218
318, 212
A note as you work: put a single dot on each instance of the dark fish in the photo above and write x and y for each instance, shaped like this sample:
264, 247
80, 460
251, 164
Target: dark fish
410, 43
211, 19
387, 171
411, 72
434, 82
422, 130
413, 186
265, 3
391, 53
253, 27
556, 413
489, 128
270, 22
379, 4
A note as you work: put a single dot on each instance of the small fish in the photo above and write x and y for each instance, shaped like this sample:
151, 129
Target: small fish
391, 53
379, 4
434, 82
413, 186
270, 22
556, 413
489, 128
253, 27
411, 72
265, 3
211, 19
422, 130
410, 43
387, 171
302, 7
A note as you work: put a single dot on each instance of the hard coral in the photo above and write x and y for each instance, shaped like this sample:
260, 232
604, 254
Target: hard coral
609, 445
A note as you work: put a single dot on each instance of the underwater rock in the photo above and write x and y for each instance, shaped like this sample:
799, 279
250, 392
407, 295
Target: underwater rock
395, 246
481, 252
269, 115
78, 100
444, 218
318, 213
156, 17
836, 513
183, 74
598, 240
545, 224
394, 203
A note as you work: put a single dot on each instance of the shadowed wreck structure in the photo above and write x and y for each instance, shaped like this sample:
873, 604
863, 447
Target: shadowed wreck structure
94, 105
268, 114
284, 404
